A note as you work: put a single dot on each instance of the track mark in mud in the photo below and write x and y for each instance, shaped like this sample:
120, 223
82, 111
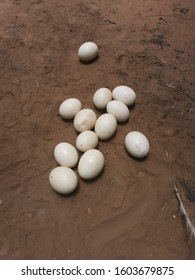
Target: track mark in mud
116, 201
120, 224
8, 120
26, 109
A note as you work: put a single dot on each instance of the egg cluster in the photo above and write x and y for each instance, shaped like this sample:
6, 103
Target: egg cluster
91, 129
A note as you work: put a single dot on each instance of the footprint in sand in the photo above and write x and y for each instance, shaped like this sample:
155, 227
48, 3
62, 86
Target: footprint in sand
121, 224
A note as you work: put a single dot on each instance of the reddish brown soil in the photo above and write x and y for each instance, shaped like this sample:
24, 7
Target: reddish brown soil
131, 210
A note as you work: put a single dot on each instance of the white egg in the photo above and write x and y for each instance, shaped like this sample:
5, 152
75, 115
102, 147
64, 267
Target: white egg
63, 180
118, 109
69, 108
124, 94
86, 140
88, 51
65, 154
137, 144
105, 126
84, 120
91, 164
101, 98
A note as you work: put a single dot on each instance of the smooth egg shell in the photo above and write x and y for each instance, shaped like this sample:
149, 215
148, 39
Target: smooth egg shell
86, 140
124, 94
88, 51
65, 154
118, 109
63, 180
69, 108
137, 144
101, 98
105, 126
84, 120
91, 164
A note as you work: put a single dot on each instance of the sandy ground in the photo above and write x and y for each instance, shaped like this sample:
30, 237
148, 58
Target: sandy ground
131, 210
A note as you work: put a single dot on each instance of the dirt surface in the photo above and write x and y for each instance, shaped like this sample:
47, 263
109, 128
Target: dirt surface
131, 210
